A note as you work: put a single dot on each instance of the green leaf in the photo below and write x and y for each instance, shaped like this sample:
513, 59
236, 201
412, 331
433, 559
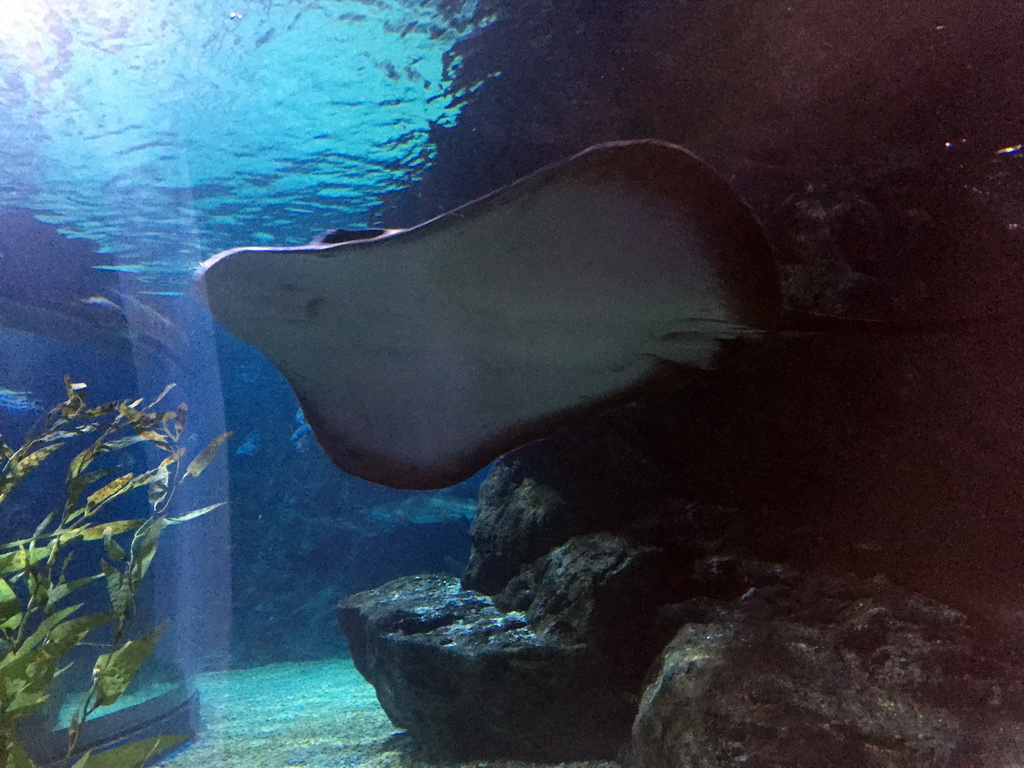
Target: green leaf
171, 458
79, 483
26, 675
36, 458
65, 537
145, 548
59, 591
38, 587
200, 462
95, 532
110, 490
83, 459
10, 605
16, 758
113, 672
17, 468
143, 422
27, 701
66, 434
15, 667
157, 439
66, 635
22, 558
133, 755
68, 557
123, 442
41, 631
112, 549
137, 419
119, 589
100, 410
162, 395
44, 524
194, 513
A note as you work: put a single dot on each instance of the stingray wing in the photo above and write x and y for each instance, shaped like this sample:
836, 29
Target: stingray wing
423, 354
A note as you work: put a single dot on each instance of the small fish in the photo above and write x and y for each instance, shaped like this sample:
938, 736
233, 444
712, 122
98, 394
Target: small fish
265, 37
248, 446
137, 322
103, 312
18, 401
428, 509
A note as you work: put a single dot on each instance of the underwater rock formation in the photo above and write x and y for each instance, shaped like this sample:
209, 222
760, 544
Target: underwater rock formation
843, 252
808, 669
771, 665
604, 592
467, 681
788, 663
519, 522
574, 483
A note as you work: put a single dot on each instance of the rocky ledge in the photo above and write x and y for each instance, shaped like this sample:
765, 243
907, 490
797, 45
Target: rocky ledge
467, 681
853, 672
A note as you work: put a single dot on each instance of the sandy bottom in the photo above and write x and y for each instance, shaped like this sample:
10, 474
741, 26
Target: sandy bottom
311, 715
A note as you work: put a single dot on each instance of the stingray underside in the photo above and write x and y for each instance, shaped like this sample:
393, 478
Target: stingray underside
422, 354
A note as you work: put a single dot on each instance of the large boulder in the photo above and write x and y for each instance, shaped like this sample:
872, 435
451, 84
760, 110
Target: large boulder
467, 681
812, 671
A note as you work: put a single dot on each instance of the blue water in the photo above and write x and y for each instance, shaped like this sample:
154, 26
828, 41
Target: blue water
167, 132
138, 139
18, 401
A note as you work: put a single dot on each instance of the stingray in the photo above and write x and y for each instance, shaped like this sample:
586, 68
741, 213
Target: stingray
420, 355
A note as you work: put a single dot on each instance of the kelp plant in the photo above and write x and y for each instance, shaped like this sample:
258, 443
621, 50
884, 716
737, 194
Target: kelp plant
38, 627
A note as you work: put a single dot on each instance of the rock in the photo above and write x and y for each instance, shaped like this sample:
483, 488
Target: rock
843, 252
601, 475
814, 671
601, 591
469, 682
519, 520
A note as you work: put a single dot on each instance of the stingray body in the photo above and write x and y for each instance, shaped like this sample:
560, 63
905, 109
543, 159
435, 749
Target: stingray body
420, 355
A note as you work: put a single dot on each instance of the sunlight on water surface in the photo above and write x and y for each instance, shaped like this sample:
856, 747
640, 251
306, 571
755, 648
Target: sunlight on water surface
166, 131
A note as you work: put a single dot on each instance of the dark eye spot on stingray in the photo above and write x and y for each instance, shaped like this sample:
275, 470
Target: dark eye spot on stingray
438, 348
